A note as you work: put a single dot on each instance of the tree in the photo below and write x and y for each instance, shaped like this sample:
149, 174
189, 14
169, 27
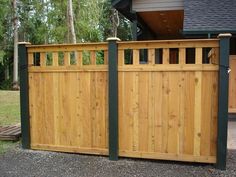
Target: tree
54, 21
71, 28
15, 27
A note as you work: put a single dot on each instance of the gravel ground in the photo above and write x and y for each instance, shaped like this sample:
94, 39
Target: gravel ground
28, 163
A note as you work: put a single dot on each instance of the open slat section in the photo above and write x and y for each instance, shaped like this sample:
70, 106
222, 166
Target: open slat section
59, 56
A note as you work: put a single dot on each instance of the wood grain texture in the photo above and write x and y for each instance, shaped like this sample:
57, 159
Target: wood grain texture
69, 110
171, 113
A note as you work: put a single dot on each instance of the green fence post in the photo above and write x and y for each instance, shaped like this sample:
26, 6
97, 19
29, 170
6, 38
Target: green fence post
113, 98
24, 95
223, 101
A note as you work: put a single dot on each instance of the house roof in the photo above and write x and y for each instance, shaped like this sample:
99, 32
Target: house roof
124, 7
209, 15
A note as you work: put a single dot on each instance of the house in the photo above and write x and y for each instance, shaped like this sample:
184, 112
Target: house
178, 19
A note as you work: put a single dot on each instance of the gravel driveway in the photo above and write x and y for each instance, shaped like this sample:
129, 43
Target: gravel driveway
28, 163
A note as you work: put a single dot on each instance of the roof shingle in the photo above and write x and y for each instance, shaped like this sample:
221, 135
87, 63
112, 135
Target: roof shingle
209, 15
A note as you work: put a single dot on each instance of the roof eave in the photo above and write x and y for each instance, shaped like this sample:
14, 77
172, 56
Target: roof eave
124, 7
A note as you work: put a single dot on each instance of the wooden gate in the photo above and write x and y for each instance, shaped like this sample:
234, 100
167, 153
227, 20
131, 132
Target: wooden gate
232, 85
68, 98
167, 110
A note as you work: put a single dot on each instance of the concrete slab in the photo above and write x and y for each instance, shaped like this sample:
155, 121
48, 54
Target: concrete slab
231, 135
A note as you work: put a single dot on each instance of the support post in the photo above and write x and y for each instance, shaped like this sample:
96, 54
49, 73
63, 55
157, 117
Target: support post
113, 98
223, 101
24, 95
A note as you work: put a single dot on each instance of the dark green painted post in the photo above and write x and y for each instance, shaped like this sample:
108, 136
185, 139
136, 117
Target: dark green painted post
113, 98
24, 95
223, 101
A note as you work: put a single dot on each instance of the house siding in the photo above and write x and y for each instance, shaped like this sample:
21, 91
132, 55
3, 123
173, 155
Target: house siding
157, 5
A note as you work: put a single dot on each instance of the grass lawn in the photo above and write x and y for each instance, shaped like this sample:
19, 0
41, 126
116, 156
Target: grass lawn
9, 114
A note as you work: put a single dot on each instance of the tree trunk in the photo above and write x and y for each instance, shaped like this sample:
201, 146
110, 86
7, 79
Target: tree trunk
7, 72
15, 68
71, 28
115, 22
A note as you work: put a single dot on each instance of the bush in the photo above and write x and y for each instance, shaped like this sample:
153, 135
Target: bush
6, 85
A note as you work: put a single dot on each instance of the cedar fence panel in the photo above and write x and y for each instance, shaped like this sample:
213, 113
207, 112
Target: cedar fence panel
168, 111
68, 100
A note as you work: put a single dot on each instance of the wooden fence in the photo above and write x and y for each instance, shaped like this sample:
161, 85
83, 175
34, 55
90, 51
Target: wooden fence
167, 99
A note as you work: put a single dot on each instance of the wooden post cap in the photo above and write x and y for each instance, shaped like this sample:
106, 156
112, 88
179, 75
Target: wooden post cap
223, 35
22, 43
113, 39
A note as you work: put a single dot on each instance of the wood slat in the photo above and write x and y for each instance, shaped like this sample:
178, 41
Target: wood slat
151, 56
166, 56
31, 59
182, 56
93, 57
135, 57
55, 59
105, 57
197, 113
198, 55
121, 57
79, 58
43, 59
66, 58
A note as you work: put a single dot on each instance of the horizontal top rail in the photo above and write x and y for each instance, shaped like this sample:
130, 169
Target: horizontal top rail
188, 43
67, 47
